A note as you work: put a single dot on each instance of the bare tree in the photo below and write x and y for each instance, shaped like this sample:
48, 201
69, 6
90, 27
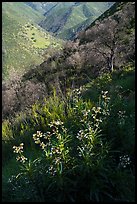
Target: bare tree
106, 37
18, 95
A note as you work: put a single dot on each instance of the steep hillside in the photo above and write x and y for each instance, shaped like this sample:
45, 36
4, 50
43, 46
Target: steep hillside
86, 136
71, 33
62, 17
22, 39
101, 48
42, 7
71, 119
107, 45
57, 17
114, 8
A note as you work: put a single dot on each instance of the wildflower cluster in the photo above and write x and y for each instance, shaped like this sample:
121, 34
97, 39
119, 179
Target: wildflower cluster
53, 144
89, 138
83, 151
122, 117
104, 103
40, 137
57, 126
19, 150
51, 170
96, 116
124, 161
104, 95
85, 115
76, 94
81, 134
89, 144
37, 137
57, 123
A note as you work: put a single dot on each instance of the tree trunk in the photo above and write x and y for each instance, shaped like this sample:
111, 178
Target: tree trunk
110, 62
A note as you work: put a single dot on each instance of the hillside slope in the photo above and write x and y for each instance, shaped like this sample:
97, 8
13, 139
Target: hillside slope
22, 38
96, 132
72, 119
71, 33
64, 16
95, 51
42, 7
78, 63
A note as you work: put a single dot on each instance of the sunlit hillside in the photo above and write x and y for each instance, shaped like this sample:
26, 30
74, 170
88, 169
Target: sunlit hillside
23, 41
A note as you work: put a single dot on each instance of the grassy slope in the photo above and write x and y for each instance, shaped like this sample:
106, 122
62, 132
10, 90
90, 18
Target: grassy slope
76, 17
17, 42
54, 18
79, 18
44, 7
22, 11
78, 14
38, 6
115, 7
122, 94
121, 87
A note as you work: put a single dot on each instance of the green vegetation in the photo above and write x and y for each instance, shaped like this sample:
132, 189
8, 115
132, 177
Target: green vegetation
114, 8
65, 19
78, 149
42, 39
68, 125
18, 23
76, 17
79, 14
41, 7
21, 11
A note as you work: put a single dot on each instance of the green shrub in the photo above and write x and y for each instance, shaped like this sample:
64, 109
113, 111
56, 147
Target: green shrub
78, 148
75, 164
6, 131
